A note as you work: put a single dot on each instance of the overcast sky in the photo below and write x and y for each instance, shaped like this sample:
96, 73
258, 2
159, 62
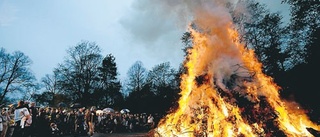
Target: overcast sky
131, 30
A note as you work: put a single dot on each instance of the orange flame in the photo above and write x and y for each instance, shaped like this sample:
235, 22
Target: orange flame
221, 73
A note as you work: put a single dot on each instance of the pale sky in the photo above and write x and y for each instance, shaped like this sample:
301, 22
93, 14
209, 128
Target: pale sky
131, 30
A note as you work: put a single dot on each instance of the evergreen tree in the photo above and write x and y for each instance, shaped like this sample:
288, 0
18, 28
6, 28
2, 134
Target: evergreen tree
109, 92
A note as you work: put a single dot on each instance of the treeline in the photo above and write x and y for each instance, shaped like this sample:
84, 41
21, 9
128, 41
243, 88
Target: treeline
289, 53
91, 79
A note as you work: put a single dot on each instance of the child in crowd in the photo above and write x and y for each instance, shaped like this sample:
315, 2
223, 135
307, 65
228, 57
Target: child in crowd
54, 129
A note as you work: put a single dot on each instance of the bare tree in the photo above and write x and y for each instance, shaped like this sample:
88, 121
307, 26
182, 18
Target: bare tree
50, 83
78, 75
162, 75
15, 74
136, 76
165, 87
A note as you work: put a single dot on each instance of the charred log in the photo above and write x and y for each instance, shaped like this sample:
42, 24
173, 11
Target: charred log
314, 132
202, 79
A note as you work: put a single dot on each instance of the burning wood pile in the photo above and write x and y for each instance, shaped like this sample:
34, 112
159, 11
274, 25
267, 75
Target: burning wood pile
224, 92
247, 115
243, 114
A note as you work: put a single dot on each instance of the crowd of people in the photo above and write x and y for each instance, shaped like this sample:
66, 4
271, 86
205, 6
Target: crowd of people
27, 120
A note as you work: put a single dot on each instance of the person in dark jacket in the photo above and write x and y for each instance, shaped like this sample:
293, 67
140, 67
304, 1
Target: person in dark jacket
34, 114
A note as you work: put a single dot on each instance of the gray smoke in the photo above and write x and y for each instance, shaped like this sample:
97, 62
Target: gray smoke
157, 25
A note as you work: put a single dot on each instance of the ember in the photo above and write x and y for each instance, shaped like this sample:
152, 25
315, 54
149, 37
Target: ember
225, 92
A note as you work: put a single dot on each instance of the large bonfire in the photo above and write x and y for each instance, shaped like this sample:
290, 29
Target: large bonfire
224, 92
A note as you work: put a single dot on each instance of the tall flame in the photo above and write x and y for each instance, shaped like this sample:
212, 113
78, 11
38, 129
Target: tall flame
225, 93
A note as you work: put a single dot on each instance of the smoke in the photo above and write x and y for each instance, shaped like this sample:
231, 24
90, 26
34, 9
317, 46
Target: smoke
158, 26
218, 52
154, 29
212, 20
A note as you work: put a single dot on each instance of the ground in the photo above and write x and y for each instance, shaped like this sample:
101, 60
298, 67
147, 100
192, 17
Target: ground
117, 135
121, 135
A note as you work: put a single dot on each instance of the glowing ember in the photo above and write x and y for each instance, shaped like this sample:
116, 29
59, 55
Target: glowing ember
225, 93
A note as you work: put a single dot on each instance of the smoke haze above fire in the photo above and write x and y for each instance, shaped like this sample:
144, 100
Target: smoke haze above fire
131, 30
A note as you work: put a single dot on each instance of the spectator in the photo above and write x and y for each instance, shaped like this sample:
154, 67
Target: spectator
53, 114
80, 122
19, 112
1, 124
34, 114
43, 128
91, 119
27, 125
54, 130
151, 121
5, 121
